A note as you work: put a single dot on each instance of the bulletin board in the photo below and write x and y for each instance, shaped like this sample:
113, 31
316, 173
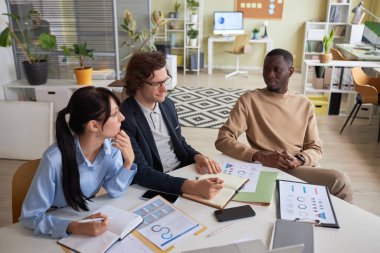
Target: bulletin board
264, 9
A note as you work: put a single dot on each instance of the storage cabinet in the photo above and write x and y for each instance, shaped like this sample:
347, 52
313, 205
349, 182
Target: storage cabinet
327, 84
57, 91
337, 15
338, 11
175, 32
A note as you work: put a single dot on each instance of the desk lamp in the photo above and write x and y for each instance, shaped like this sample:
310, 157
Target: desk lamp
265, 24
359, 8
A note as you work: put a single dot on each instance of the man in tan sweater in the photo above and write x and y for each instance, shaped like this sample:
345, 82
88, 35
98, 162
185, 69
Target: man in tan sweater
281, 128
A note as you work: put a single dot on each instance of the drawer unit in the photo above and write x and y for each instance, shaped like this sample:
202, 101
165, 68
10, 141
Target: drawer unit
321, 104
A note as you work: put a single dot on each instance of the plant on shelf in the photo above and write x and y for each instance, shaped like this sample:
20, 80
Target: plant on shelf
176, 9
33, 46
255, 32
193, 5
326, 56
140, 40
80, 50
193, 35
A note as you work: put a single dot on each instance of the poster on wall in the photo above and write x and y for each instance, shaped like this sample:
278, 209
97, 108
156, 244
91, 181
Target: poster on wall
263, 9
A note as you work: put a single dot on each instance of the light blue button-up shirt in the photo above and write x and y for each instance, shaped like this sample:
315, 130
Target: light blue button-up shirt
46, 188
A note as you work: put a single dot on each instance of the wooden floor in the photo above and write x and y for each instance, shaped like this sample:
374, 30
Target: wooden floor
355, 152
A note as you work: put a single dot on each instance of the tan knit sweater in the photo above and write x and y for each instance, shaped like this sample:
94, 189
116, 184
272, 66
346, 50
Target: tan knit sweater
272, 122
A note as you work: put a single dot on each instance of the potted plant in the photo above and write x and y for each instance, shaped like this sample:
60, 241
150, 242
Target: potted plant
34, 49
193, 5
176, 9
326, 56
174, 15
255, 32
80, 50
140, 40
193, 35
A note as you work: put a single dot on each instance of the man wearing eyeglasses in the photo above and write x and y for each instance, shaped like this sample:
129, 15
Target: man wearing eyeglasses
153, 127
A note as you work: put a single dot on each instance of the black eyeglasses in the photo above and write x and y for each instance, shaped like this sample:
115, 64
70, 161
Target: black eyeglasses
157, 85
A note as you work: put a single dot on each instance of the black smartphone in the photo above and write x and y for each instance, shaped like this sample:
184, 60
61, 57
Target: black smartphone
151, 194
234, 213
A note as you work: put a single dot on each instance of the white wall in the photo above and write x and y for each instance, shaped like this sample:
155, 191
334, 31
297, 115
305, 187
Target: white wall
7, 69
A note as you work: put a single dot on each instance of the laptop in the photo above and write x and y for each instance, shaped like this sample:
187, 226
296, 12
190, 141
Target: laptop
253, 246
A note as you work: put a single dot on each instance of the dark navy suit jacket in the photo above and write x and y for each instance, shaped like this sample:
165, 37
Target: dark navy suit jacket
150, 171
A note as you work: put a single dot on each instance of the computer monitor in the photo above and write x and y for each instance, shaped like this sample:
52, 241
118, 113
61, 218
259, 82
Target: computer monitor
228, 22
371, 33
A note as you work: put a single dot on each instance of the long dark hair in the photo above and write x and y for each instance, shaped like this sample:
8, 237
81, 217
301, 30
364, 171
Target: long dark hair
85, 104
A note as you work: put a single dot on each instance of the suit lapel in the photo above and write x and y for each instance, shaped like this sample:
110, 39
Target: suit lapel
144, 126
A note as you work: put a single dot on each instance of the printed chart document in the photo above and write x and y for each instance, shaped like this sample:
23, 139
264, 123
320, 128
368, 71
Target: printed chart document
232, 184
260, 187
306, 202
120, 225
164, 224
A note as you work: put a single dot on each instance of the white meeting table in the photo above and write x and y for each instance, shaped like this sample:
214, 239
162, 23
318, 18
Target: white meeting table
358, 228
223, 39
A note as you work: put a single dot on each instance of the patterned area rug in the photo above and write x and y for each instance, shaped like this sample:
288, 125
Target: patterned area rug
204, 107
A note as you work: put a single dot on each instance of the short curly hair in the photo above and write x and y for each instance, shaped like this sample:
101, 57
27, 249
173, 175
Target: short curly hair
286, 55
141, 67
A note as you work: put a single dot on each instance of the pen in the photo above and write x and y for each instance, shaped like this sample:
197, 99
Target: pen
93, 220
220, 230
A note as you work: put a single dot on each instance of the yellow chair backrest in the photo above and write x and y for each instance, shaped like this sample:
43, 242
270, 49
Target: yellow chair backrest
20, 185
240, 42
337, 55
366, 86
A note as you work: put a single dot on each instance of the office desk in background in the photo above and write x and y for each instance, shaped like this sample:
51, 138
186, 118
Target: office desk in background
360, 52
358, 232
223, 39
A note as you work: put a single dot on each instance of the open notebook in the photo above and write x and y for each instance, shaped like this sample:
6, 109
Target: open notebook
120, 225
232, 184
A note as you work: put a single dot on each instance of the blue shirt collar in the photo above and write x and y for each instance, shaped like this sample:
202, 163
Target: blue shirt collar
105, 150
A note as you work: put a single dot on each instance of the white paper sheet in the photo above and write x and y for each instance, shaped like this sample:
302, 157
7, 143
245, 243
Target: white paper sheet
305, 202
244, 170
163, 224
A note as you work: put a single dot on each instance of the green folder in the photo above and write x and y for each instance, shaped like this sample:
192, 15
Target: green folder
264, 190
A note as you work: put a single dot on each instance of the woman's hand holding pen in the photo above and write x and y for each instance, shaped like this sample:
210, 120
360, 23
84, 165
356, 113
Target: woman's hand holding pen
123, 143
89, 228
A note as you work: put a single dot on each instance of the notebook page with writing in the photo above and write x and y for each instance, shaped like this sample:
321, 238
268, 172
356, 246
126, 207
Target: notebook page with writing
220, 200
229, 181
90, 244
121, 222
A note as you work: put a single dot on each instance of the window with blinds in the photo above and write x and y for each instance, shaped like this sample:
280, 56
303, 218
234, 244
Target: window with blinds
91, 21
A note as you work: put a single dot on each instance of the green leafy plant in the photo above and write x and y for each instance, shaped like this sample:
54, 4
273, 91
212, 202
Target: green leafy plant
327, 40
34, 50
80, 50
192, 4
256, 30
141, 40
177, 6
192, 33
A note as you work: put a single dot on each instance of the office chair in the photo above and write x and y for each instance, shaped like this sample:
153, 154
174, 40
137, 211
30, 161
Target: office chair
368, 92
20, 185
239, 47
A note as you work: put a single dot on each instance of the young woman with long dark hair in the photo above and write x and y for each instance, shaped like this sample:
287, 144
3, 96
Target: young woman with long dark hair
88, 155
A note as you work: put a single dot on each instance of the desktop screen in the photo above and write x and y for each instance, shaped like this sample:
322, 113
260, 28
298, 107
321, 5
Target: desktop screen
371, 33
228, 22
